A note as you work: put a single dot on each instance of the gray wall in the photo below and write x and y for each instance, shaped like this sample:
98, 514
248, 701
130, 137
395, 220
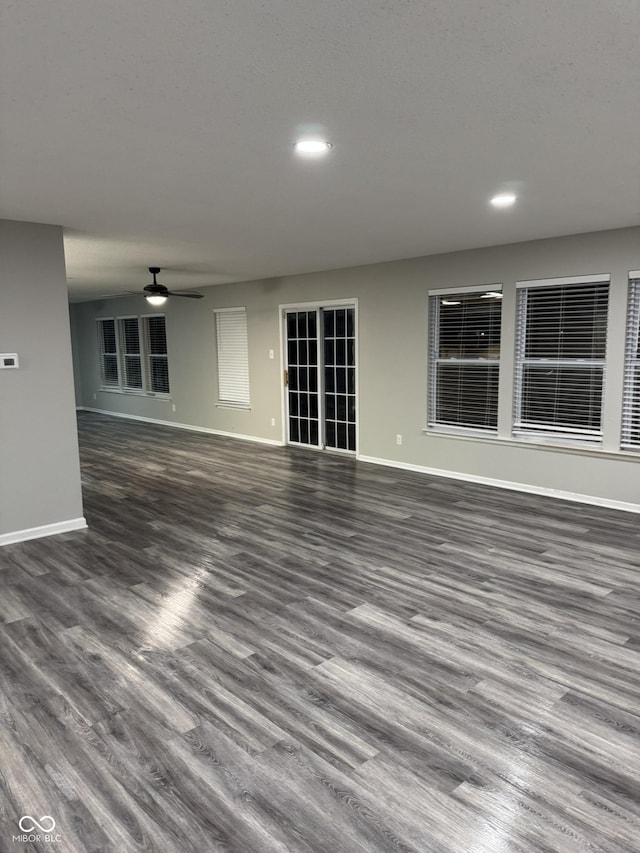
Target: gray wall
39, 466
392, 303
75, 354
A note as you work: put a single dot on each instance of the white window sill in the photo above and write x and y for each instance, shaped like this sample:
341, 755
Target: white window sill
461, 432
131, 392
221, 404
557, 446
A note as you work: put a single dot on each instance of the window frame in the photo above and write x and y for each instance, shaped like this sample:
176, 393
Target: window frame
543, 433
434, 360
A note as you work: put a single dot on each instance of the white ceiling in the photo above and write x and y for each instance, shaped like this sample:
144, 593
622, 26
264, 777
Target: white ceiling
159, 132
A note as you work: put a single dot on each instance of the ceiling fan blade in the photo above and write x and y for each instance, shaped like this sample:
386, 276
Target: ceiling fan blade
119, 295
186, 294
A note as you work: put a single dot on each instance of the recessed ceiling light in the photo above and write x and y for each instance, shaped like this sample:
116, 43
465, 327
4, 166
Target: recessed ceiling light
503, 200
312, 147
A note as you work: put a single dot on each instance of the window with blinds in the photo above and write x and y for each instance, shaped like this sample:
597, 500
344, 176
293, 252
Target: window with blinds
108, 353
631, 398
561, 339
131, 355
157, 359
464, 358
233, 357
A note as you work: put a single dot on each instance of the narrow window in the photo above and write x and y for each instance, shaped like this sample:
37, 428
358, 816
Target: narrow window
108, 353
631, 400
157, 359
130, 353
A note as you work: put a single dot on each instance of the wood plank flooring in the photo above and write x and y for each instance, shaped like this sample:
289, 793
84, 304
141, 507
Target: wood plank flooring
266, 650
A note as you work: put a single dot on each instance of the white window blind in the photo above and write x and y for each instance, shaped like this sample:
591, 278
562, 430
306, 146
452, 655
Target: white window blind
631, 399
157, 359
464, 358
561, 341
108, 353
233, 356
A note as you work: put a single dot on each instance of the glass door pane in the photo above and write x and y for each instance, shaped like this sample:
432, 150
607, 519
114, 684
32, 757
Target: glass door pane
303, 416
339, 373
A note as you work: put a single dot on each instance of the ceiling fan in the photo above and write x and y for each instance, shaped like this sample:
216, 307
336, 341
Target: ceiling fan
156, 294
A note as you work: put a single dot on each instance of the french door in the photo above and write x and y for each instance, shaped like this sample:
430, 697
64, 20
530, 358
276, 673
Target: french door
320, 376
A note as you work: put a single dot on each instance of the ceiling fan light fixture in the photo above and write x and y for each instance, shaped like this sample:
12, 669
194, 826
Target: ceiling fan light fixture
156, 294
155, 299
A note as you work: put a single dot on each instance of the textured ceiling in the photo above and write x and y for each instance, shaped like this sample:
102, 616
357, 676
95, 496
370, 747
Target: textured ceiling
160, 132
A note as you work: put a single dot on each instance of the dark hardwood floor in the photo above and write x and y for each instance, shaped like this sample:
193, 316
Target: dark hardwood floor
257, 649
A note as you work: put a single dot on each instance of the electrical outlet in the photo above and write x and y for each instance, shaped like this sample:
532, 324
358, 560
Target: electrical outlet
273, 421
398, 439
173, 407
95, 396
271, 354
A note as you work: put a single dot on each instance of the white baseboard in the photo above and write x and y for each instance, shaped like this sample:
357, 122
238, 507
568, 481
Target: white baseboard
44, 530
505, 484
190, 427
